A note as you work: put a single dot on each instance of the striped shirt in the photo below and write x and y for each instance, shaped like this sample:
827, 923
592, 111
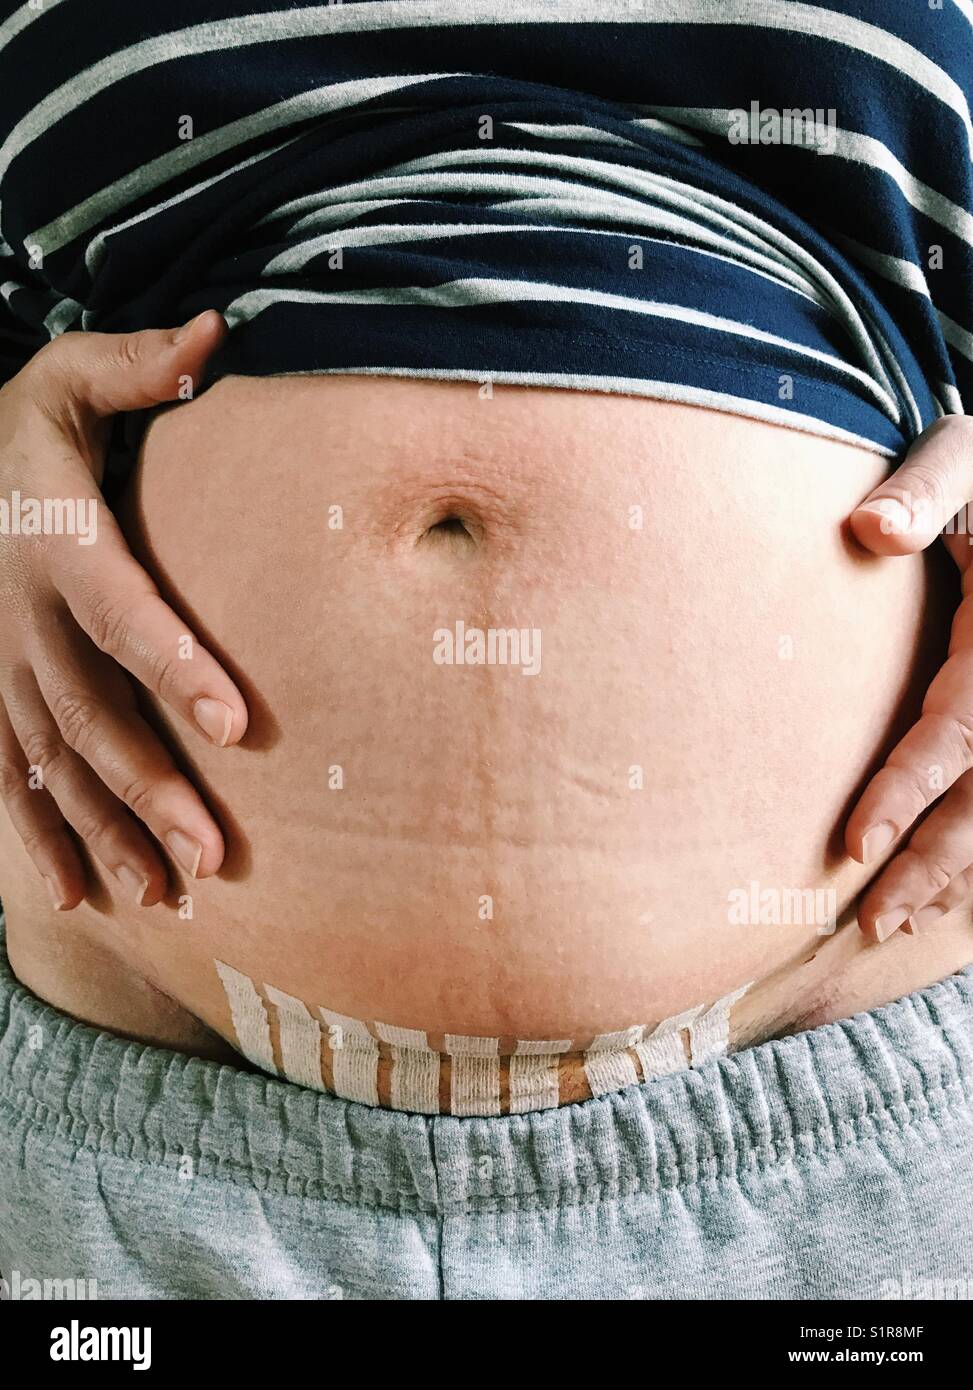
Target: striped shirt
763, 206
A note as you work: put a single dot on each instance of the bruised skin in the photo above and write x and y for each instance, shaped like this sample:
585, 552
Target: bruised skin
470, 849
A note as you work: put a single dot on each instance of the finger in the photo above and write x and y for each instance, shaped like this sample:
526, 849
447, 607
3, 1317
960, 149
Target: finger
102, 822
123, 613
36, 819
932, 756
958, 892
939, 850
907, 511
101, 374
94, 712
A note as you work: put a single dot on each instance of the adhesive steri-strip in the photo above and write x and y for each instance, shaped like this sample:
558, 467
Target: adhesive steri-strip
469, 1076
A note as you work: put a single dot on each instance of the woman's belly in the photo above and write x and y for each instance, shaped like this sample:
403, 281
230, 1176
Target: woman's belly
574, 761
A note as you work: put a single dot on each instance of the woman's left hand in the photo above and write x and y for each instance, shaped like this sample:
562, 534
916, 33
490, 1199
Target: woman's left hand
933, 872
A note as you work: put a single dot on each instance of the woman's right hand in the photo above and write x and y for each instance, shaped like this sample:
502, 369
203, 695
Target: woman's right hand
73, 747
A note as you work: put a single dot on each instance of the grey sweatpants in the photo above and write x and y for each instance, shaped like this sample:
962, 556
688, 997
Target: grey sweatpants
835, 1164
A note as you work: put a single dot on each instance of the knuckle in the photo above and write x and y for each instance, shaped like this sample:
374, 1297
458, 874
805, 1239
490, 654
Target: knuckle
139, 796
42, 750
92, 825
37, 839
130, 351
962, 727
940, 875
935, 869
929, 483
77, 718
169, 676
108, 622
13, 778
914, 782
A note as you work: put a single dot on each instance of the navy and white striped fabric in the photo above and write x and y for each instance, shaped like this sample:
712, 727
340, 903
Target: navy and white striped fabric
533, 191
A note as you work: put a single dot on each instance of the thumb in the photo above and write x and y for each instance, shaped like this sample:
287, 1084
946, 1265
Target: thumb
105, 373
907, 511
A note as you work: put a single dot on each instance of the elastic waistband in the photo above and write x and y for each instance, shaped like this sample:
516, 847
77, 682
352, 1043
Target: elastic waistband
867, 1078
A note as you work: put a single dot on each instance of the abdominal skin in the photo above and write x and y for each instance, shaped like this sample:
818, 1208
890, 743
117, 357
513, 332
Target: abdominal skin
469, 849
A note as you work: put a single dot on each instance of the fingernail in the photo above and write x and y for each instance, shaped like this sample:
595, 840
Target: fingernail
181, 334
214, 718
876, 840
890, 922
55, 892
895, 517
185, 850
134, 883
924, 918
